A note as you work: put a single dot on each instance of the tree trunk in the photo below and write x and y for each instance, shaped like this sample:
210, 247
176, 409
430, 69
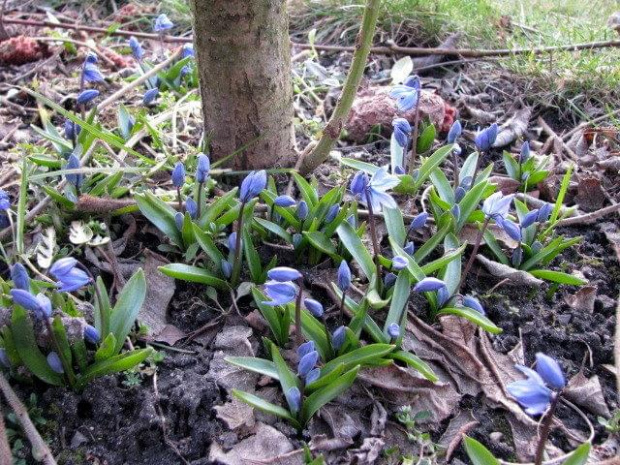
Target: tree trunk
244, 64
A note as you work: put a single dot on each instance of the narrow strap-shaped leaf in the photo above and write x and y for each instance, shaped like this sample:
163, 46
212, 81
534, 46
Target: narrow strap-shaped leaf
478, 454
264, 406
356, 248
416, 363
395, 224
127, 307
193, 274
472, 315
255, 364
359, 356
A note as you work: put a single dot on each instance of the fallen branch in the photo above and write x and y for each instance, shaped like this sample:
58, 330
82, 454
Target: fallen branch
590, 217
40, 450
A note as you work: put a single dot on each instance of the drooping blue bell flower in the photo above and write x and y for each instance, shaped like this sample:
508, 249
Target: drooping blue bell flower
280, 293
359, 183
531, 393
77, 179
485, 139
419, 221
393, 330
311, 377
187, 51
409, 248
202, 168
302, 210
497, 206
376, 189
162, 23
283, 274
91, 334
406, 94
398, 263
297, 238
517, 257
71, 129
150, 96
550, 371
524, 154
402, 131
87, 96
293, 398
544, 212
191, 207
136, 48
54, 362
91, 73
307, 363
227, 268
179, 219
455, 132
512, 229
232, 241
305, 348
69, 277
344, 276
399, 170
338, 337
284, 201
314, 307
459, 193
389, 280
332, 213
429, 285
529, 219
20, 277
253, 184
456, 211
40, 305
473, 303
443, 296
178, 175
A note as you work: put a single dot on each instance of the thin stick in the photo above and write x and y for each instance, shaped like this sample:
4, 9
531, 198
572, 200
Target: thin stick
334, 127
5, 448
40, 450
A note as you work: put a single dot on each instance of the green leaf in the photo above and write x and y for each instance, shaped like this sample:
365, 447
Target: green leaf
275, 229
395, 224
433, 241
116, 364
324, 380
287, 378
558, 277
206, 243
451, 274
416, 363
106, 349
124, 121
60, 335
160, 214
430, 163
104, 308
361, 356
255, 364
127, 307
443, 186
561, 194
469, 203
426, 139
400, 297
511, 165
322, 243
359, 165
252, 257
321, 397
227, 201
478, 454
356, 248
444, 260
308, 192
59, 198
579, 455
469, 167
193, 274
264, 406
472, 315
28, 350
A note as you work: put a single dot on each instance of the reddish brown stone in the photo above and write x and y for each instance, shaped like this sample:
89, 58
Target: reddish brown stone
20, 50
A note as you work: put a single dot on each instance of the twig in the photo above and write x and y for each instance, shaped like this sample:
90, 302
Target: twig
5, 448
334, 127
589, 217
40, 450
132, 85
553, 135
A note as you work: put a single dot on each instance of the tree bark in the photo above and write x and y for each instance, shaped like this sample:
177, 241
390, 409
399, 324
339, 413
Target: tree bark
243, 55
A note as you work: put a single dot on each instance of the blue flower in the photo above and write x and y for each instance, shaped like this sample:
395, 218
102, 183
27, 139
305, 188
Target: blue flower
332, 213
86, 96
283, 274
227, 268
5, 201
497, 206
40, 305
191, 207
136, 48
532, 394
419, 221
338, 337
512, 229
398, 263
91, 334
232, 241
280, 293
550, 371
443, 296
91, 58
312, 376
150, 96
524, 154
307, 363
253, 184
69, 277
409, 248
305, 348
202, 168
284, 201
344, 276
456, 211
293, 398
297, 238
517, 257
389, 280
407, 94
91, 73
302, 210
178, 175
315, 307
20, 277
402, 131
459, 193
71, 129
544, 212
473, 303
529, 219
179, 219
5, 361
359, 183
455, 132
399, 170
486, 138
53, 360
162, 23
76, 179
187, 51
376, 189
429, 285
393, 330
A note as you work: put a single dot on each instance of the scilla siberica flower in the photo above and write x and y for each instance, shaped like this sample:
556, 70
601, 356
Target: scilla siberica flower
544, 212
344, 276
529, 219
187, 51
191, 207
305, 348
537, 391
429, 285
332, 213
227, 268
232, 241
202, 168
455, 132
86, 96
302, 210
77, 179
253, 184
314, 307
473, 303
71, 129
20, 277
284, 201
486, 138
178, 175
376, 189
162, 23
90, 71
91, 334
280, 293
53, 360
497, 206
4, 358
179, 219
512, 229
393, 330
402, 131
338, 337
407, 94
150, 96
389, 280
136, 48
307, 363
70, 278
398, 263
283, 274
293, 398
443, 296
409, 248
40, 305
524, 154
419, 221
311, 377
5, 201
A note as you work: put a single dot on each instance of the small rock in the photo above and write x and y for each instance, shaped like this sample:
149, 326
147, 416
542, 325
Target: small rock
496, 436
564, 319
77, 440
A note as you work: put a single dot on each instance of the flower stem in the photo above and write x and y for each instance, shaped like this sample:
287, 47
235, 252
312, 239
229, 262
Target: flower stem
179, 199
455, 161
344, 296
199, 200
299, 337
546, 429
473, 179
474, 252
416, 129
237, 265
373, 235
